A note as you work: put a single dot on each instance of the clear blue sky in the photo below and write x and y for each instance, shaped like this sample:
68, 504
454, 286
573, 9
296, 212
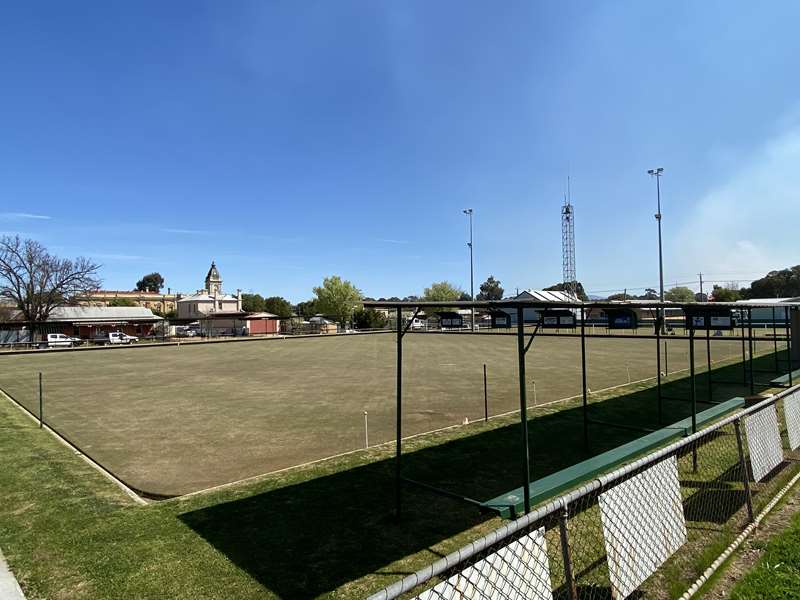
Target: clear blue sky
289, 141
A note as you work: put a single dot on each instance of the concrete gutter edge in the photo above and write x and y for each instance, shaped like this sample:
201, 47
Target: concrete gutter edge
9, 587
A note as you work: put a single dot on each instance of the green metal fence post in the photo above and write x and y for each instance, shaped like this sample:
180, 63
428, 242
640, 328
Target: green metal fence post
523, 409
583, 382
399, 413
750, 348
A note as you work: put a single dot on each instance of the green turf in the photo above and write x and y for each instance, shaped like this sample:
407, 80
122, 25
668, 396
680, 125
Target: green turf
777, 574
319, 531
171, 420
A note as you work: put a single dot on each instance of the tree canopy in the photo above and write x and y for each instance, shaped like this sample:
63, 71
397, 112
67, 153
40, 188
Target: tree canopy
725, 294
278, 306
441, 291
369, 318
338, 298
679, 294
152, 282
490, 289
775, 284
37, 281
307, 309
252, 303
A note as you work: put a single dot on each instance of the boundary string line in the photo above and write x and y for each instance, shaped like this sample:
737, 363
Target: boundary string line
78, 452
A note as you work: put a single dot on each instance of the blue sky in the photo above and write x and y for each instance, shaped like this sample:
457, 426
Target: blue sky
289, 141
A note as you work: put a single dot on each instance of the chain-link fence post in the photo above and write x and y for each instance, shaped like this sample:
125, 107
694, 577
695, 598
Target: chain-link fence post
748, 495
566, 555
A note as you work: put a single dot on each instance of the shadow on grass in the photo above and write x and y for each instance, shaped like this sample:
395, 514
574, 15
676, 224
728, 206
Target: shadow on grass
307, 540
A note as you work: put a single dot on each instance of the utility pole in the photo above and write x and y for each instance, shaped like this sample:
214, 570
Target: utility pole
657, 174
468, 212
701, 284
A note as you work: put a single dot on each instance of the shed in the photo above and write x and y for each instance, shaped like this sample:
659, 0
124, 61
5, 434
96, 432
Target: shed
557, 318
450, 320
708, 317
622, 318
500, 319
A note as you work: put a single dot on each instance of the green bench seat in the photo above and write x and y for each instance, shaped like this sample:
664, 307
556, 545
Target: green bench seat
512, 504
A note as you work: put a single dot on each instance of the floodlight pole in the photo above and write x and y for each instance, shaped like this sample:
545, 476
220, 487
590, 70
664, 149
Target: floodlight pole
468, 212
657, 174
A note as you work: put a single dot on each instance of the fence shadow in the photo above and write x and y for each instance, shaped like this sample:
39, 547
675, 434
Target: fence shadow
304, 540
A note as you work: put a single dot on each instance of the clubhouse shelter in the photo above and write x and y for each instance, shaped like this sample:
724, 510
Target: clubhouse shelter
698, 317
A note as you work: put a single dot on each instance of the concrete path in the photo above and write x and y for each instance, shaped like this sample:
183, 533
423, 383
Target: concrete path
9, 588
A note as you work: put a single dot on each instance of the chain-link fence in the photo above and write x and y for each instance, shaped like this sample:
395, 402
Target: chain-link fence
648, 529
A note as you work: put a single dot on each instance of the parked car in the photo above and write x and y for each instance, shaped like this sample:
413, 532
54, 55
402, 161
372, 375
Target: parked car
110, 338
59, 340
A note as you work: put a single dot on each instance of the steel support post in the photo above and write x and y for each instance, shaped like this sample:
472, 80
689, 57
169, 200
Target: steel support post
750, 349
399, 410
789, 343
523, 410
748, 494
744, 354
658, 363
693, 394
775, 342
566, 554
708, 358
583, 383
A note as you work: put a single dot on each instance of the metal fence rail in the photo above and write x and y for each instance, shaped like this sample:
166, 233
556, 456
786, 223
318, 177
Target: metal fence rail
647, 529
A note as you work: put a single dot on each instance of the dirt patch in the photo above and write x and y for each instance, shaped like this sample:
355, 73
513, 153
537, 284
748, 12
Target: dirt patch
754, 546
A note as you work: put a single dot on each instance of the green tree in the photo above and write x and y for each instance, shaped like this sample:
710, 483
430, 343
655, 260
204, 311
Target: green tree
307, 309
679, 294
620, 296
369, 318
725, 294
122, 302
441, 291
491, 290
152, 282
252, 303
278, 306
649, 294
337, 298
775, 284
37, 282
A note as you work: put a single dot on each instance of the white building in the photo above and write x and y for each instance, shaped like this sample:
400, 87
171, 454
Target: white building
211, 300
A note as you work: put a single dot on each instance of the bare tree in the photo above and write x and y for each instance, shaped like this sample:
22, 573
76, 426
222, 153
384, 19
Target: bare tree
37, 281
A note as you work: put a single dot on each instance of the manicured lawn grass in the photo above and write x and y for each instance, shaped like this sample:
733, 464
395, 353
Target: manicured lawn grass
172, 420
324, 530
777, 573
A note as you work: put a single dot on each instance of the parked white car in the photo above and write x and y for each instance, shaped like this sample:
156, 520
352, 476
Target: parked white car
116, 337
59, 340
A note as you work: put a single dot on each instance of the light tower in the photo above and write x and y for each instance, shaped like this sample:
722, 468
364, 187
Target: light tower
568, 247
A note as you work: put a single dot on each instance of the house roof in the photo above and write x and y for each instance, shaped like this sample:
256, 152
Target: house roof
76, 314
767, 300
204, 297
545, 296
